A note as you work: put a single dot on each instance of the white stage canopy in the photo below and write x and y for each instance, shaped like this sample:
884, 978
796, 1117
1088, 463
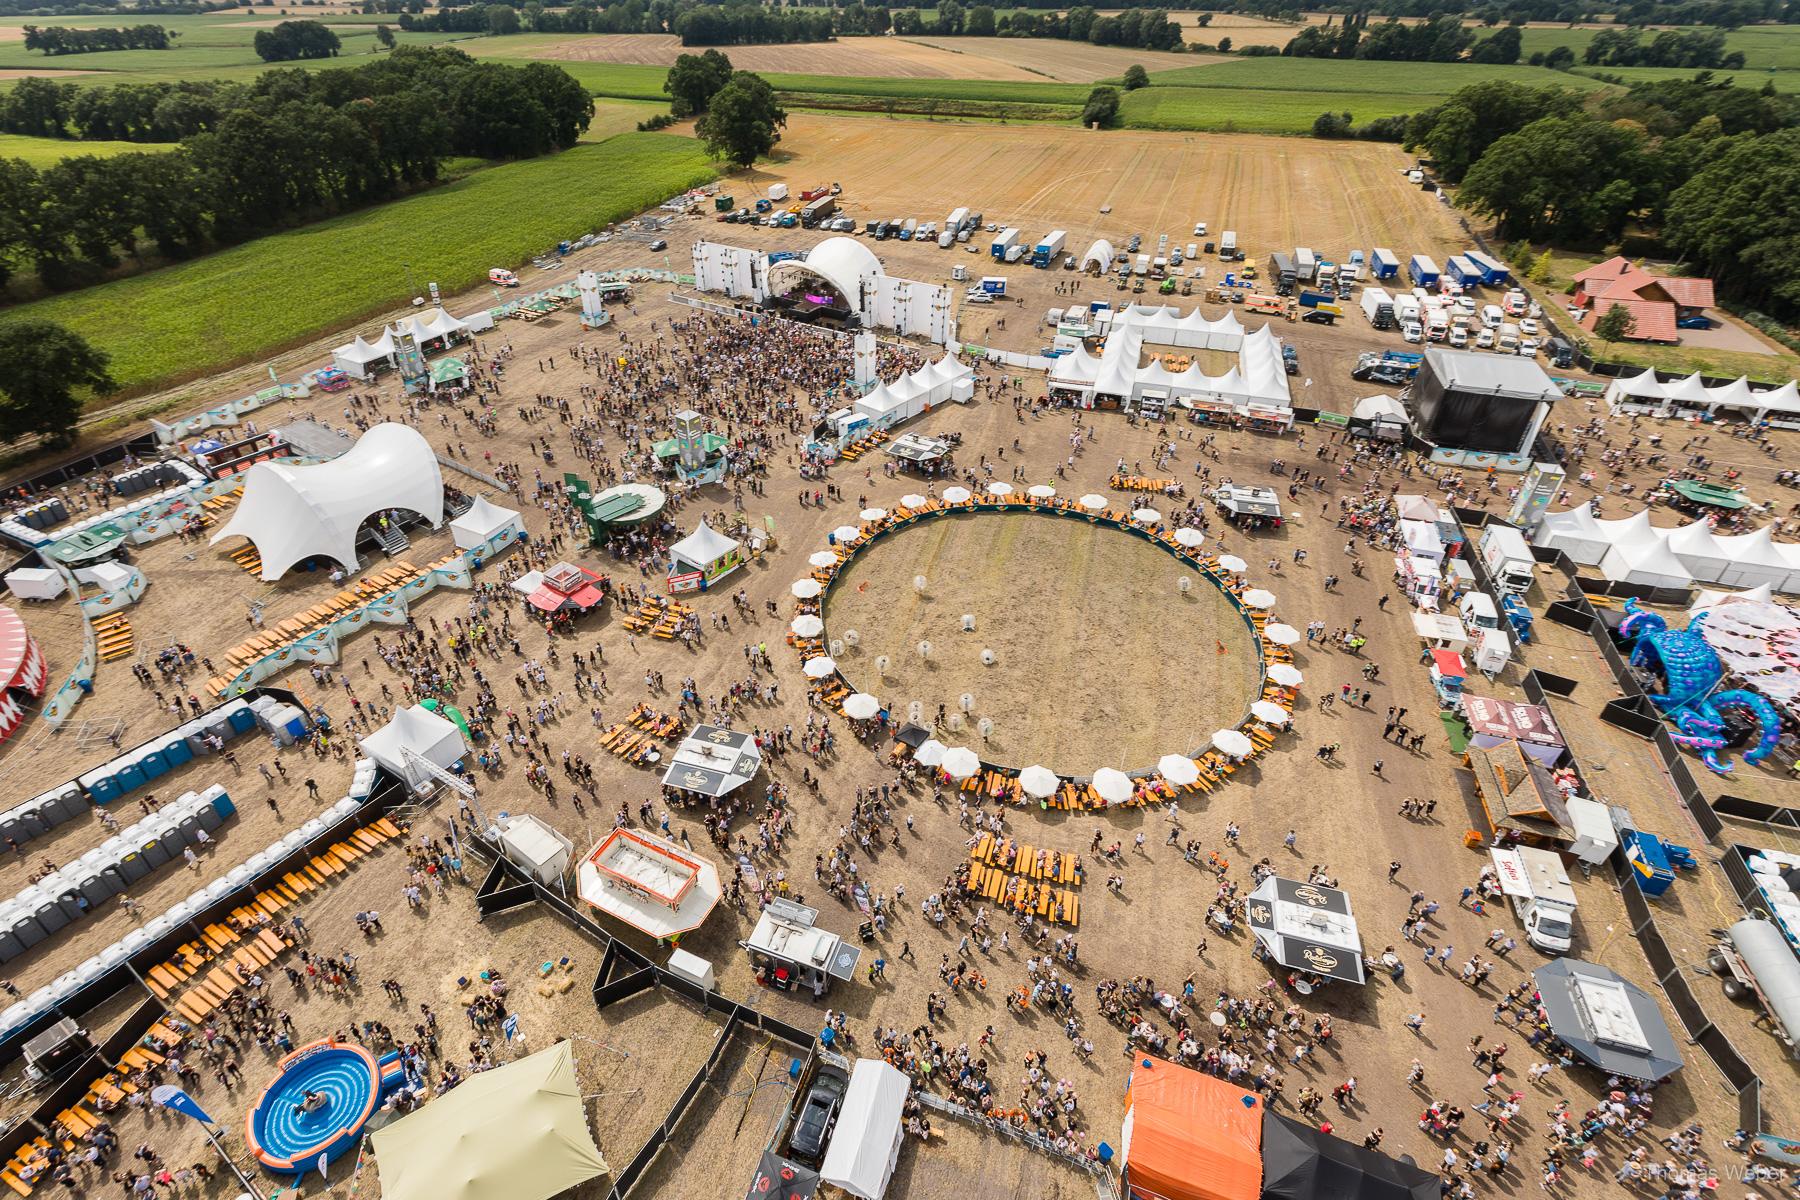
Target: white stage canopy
1260, 377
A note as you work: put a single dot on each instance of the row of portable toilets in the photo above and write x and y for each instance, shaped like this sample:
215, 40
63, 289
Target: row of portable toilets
150, 485
97, 876
156, 758
244, 877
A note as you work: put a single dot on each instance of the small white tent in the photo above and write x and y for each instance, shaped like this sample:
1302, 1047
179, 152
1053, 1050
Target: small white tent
483, 521
1697, 548
415, 731
1576, 533
1642, 556
865, 1147
361, 358
1753, 560
705, 552
296, 512
1100, 255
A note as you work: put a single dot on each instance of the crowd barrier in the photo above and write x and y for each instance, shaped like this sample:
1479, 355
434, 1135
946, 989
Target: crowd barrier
224, 415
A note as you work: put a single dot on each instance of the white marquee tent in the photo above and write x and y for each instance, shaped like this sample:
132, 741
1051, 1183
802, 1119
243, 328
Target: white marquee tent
431, 325
296, 512
360, 358
1259, 379
1644, 392
1576, 533
866, 1145
1100, 254
1698, 550
1758, 560
908, 396
1632, 550
483, 521
517, 1132
1641, 555
415, 731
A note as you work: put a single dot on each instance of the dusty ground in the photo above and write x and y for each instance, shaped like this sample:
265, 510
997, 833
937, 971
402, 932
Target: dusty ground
1344, 815
1044, 593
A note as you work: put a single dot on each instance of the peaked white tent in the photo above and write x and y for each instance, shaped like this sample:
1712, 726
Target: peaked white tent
1100, 254
908, 396
706, 551
1708, 598
431, 325
295, 512
1697, 548
1640, 555
415, 731
483, 521
1756, 559
1576, 533
866, 1144
1644, 392
360, 358
517, 1132
1258, 380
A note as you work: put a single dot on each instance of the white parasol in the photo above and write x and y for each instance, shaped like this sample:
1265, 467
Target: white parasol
961, 762
822, 559
819, 668
807, 589
846, 533
1259, 598
1189, 537
1281, 635
1178, 769
999, 488
807, 626
1113, 786
1270, 713
1285, 675
1040, 491
861, 706
1038, 782
913, 500
872, 514
1093, 502
1148, 516
1230, 741
956, 495
930, 752
1232, 563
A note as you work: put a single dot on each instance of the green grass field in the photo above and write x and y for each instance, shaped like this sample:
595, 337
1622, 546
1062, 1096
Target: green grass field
1244, 111
45, 152
252, 300
1774, 47
1331, 75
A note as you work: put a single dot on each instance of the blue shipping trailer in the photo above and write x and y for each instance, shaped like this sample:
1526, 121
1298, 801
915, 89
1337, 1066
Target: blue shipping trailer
1384, 263
1463, 272
1494, 273
1653, 861
1423, 270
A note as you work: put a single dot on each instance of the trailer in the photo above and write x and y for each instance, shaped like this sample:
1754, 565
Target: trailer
778, 191
817, 209
1312, 299
1306, 265
1538, 886
953, 222
1459, 270
1383, 263
1378, 307
1423, 270
1047, 250
1281, 272
1004, 241
1494, 273
1228, 247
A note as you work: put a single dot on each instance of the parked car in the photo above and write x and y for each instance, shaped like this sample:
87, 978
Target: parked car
1199, 228
1459, 337
1528, 326
1382, 373
818, 1114
659, 244
1484, 340
1695, 323
978, 298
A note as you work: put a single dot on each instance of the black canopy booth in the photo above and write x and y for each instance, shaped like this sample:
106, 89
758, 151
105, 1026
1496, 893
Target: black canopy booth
1301, 1163
1605, 1019
1307, 928
778, 1178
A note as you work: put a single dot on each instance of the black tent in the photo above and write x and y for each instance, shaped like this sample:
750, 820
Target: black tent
1300, 1163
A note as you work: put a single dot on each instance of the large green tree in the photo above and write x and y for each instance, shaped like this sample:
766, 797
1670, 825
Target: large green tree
293, 40
743, 122
1102, 108
694, 80
41, 366
1562, 179
1737, 219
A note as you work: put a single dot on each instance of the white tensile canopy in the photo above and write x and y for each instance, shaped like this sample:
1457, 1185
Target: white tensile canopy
483, 521
1099, 254
292, 513
1643, 557
866, 1144
910, 394
1260, 376
1576, 533
429, 325
1692, 392
417, 731
517, 1132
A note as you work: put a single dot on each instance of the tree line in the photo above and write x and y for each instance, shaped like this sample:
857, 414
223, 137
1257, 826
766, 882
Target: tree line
54, 40
293, 41
1705, 165
1444, 38
289, 147
1669, 48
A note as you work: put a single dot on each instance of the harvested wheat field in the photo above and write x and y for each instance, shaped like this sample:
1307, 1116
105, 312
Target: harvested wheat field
1055, 600
1272, 191
889, 58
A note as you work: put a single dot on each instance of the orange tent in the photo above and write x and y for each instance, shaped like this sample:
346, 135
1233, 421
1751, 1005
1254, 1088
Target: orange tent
1188, 1136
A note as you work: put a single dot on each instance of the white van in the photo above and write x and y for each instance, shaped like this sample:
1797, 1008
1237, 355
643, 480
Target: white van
1193, 250
1484, 340
1491, 316
502, 277
1412, 333
946, 239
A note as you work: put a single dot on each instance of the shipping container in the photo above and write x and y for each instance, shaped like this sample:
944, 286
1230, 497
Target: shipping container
1385, 264
1423, 270
1005, 240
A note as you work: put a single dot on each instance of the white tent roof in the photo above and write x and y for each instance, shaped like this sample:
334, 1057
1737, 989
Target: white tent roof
1645, 560
1576, 533
1100, 252
296, 512
432, 323
361, 351
845, 262
35, 583
1646, 388
703, 546
421, 731
1379, 408
481, 522
1259, 377
455, 1149
1714, 598
866, 1144
1696, 547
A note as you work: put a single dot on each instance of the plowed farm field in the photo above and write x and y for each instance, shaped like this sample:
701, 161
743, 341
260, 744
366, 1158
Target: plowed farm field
1274, 192
1019, 59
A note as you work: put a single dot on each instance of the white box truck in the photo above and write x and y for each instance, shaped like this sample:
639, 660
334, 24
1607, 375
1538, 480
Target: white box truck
1378, 307
1407, 308
954, 221
1507, 556
1306, 264
1141, 265
1537, 885
1507, 342
1004, 241
1228, 243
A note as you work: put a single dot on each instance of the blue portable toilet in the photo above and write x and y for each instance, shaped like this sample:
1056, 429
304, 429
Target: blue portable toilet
242, 719
221, 801
102, 786
128, 778
177, 751
151, 762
